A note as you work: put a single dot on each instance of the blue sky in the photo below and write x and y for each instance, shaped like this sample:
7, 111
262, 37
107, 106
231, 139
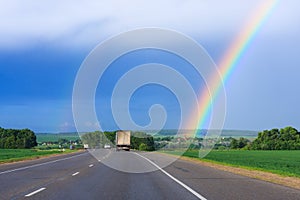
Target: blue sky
42, 45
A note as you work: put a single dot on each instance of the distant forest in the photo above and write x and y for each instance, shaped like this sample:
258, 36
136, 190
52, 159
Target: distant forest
17, 139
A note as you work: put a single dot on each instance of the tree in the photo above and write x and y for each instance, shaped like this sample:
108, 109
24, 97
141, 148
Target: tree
98, 139
239, 144
242, 142
234, 144
111, 136
143, 147
14, 138
284, 139
137, 138
62, 141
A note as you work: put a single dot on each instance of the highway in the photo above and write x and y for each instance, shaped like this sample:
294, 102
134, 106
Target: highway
142, 176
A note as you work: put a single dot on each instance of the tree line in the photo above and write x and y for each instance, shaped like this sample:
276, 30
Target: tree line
142, 141
17, 139
97, 139
276, 139
139, 140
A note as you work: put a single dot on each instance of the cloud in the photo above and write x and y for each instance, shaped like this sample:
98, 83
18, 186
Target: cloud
66, 127
76, 23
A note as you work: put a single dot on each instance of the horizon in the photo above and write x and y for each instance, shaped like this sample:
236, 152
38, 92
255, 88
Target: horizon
147, 131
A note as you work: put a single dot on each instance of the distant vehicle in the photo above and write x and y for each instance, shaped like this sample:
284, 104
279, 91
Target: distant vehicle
85, 146
123, 140
107, 146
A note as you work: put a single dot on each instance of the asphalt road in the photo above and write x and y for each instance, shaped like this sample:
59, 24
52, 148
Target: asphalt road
142, 176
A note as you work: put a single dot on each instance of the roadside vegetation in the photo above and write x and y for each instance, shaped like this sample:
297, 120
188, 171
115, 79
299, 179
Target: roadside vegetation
12, 155
142, 141
16, 145
276, 151
56, 137
17, 139
139, 140
98, 139
284, 139
279, 161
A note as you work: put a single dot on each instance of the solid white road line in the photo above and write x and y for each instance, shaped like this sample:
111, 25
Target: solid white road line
91, 165
176, 180
75, 173
41, 164
34, 192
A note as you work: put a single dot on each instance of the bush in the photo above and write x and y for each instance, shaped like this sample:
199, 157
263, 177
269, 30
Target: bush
284, 139
143, 147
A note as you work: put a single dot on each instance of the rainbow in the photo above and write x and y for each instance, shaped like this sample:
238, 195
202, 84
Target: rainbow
229, 62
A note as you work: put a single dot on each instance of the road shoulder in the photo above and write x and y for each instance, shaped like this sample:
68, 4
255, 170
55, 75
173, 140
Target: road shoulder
292, 182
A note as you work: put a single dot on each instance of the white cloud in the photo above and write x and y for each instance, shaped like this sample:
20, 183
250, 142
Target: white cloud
74, 22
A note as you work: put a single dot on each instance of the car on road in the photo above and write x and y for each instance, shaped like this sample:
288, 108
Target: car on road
107, 146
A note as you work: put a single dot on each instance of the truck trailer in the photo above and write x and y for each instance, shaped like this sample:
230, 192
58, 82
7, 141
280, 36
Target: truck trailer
123, 140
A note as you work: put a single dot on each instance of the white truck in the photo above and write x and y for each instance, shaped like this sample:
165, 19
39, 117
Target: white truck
123, 140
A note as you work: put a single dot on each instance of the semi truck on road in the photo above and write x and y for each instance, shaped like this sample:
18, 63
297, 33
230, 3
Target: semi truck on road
123, 140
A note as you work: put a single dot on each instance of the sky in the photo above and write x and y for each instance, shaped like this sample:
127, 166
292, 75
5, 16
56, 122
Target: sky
44, 43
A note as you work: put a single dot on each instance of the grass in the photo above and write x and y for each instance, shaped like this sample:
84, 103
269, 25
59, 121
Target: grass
51, 137
12, 155
280, 162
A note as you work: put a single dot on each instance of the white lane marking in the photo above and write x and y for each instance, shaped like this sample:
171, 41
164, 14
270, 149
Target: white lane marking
34, 192
176, 180
37, 165
106, 156
76, 173
91, 165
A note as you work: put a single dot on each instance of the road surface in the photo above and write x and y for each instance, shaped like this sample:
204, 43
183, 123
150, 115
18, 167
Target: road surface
82, 176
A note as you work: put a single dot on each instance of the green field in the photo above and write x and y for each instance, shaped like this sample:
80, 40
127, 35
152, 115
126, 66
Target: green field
52, 137
279, 162
11, 155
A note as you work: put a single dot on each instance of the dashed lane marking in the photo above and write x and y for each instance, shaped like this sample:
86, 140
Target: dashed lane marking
76, 173
35, 192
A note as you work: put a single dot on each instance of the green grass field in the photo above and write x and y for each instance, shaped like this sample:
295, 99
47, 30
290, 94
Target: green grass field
11, 155
279, 162
51, 137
